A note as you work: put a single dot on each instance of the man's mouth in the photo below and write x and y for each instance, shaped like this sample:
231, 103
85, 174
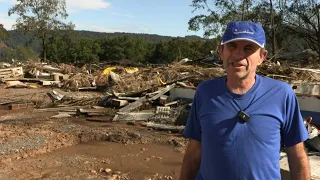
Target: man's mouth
235, 64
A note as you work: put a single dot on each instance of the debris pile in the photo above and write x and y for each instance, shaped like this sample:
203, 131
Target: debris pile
155, 97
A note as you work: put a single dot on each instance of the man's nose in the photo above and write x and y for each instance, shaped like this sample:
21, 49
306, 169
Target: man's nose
239, 53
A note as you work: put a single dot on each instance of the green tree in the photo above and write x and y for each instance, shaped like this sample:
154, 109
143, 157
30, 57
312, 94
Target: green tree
44, 18
216, 14
3, 33
20, 53
124, 47
88, 50
284, 20
302, 18
63, 48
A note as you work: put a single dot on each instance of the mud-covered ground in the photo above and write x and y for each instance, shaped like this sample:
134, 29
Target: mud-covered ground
33, 145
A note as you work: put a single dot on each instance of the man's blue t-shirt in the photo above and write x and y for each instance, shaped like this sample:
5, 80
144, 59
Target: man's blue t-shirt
233, 149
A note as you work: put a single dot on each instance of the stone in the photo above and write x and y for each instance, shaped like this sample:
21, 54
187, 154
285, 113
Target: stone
113, 177
110, 178
108, 170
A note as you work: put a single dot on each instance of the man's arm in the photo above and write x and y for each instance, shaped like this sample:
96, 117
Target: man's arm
191, 161
298, 162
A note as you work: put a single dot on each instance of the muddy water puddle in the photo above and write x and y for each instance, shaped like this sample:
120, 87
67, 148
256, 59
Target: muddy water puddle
90, 161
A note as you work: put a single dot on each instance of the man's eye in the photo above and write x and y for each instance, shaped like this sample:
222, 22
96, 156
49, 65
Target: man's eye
248, 49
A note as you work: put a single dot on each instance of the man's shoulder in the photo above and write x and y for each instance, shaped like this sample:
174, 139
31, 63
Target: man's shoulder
275, 83
212, 83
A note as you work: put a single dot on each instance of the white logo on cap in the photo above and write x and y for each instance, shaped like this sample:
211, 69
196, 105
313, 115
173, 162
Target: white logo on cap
242, 32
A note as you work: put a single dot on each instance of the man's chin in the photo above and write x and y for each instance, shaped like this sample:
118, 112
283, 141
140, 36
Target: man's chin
240, 75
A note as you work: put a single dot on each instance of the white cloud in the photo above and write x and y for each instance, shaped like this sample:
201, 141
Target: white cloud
7, 21
76, 5
91, 27
135, 28
121, 28
9, 1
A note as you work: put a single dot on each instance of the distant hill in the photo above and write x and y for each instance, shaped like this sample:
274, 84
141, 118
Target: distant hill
17, 38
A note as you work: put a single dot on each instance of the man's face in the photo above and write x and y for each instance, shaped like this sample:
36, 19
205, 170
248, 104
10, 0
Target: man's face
241, 58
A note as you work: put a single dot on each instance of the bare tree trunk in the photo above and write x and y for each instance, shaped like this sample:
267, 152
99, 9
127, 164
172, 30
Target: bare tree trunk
44, 49
318, 34
242, 15
273, 41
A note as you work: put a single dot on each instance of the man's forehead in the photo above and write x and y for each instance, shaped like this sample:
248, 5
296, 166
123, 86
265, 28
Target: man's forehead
243, 43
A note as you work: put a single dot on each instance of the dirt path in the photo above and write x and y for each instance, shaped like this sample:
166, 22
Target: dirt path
89, 161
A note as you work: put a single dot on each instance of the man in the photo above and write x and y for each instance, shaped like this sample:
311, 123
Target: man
237, 122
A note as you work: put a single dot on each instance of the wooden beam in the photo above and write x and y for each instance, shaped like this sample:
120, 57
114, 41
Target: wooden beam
163, 127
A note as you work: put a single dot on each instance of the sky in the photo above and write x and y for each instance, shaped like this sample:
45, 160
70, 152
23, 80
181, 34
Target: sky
162, 17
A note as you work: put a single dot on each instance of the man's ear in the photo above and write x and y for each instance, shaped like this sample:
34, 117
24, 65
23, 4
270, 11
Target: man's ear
220, 50
263, 56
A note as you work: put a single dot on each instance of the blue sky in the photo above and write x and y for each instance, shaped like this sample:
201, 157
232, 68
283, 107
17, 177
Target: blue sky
163, 17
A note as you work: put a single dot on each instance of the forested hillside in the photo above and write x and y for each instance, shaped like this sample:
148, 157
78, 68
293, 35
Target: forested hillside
91, 47
19, 38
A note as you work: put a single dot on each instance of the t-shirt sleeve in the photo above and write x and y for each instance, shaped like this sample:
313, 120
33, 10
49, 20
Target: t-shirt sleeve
192, 129
294, 130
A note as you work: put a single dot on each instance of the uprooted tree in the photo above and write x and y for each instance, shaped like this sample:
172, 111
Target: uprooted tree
43, 18
283, 20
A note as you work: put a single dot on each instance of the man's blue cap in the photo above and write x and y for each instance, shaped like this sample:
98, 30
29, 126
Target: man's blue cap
249, 31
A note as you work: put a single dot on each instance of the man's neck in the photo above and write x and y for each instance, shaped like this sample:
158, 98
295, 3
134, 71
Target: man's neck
241, 86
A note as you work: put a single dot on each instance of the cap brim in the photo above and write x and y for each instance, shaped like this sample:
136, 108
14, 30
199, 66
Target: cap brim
246, 39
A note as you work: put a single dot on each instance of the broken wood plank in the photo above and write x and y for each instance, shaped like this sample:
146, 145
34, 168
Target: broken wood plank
87, 110
50, 83
97, 107
185, 85
163, 127
8, 102
306, 69
280, 76
51, 69
139, 102
129, 98
163, 91
87, 88
15, 84
63, 109
17, 71
171, 103
100, 119
23, 79
63, 115
119, 103
133, 105
92, 112
134, 116
21, 106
